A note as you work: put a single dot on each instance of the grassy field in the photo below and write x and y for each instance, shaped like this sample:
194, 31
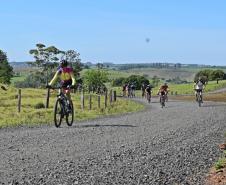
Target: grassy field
30, 115
188, 88
164, 73
18, 79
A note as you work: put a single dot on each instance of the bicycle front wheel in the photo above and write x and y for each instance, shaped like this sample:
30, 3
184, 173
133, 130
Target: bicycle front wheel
70, 115
58, 113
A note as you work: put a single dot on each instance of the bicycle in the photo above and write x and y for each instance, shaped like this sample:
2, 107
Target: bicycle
63, 107
199, 98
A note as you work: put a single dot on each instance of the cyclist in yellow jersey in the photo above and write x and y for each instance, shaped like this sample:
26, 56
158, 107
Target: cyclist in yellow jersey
66, 76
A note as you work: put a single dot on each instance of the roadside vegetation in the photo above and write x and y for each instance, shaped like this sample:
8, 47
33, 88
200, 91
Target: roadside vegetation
33, 111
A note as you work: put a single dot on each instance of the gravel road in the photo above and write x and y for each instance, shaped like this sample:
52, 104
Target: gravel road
175, 145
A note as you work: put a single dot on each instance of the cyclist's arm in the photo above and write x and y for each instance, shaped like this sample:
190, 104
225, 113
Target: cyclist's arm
54, 79
194, 85
72, 78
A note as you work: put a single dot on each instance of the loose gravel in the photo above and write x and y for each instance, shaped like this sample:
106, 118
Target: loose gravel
175, 145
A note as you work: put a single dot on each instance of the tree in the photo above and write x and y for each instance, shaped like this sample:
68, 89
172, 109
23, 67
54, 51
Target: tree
95, 79
209, 74
6, 71
136, 80
46, 58
100, 65
118, 81
217, 75
73, 58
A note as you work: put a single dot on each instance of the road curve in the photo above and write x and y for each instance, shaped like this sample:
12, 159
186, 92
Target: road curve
173, 145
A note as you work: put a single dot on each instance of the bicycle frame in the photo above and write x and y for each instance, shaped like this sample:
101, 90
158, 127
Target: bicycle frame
63, 98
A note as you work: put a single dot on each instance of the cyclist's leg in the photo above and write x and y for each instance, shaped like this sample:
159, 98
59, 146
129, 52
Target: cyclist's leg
68, 95
196, 95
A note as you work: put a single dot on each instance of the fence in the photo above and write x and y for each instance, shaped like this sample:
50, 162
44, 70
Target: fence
108, 98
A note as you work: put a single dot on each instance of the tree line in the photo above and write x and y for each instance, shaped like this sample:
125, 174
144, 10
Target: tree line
210, 75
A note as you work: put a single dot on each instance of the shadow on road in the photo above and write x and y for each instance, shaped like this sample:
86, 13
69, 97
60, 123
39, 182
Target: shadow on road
98, 125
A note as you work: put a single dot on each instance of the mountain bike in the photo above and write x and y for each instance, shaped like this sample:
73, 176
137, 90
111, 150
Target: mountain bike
63, 108
199, 97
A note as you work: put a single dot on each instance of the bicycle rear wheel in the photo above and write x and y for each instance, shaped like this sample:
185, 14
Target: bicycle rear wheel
199, 100
58, 113
162, 101
70, 115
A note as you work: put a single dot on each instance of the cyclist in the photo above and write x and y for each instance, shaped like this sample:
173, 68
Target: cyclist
163, 90
133, 88
124, 89
143, 87
65, 73
148, 91
198, 87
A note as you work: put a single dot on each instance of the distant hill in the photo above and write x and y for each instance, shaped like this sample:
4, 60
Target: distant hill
18, 64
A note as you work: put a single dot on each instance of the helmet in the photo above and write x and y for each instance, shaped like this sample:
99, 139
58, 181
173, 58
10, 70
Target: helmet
63, 63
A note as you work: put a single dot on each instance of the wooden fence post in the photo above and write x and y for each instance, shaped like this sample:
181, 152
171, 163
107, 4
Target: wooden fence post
98, 99
47, 98
82, 100
19, 100
114, 95
90, 102
106, 99
110, 96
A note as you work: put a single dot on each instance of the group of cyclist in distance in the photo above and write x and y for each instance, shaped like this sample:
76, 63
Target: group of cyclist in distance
65, 74
146, 90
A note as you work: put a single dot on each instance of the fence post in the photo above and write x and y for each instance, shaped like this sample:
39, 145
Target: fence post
82, 100
114, 95
19, 100
98, 99
47, 98
110, 97
106, 99
90, 102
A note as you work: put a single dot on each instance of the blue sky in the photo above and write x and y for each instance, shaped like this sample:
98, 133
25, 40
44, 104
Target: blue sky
191, 31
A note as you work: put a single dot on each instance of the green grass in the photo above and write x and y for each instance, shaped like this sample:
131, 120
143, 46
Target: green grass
20, 78
9, 115
221, 163
188, 88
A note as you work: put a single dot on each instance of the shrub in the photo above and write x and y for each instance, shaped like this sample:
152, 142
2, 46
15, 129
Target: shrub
39, 105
